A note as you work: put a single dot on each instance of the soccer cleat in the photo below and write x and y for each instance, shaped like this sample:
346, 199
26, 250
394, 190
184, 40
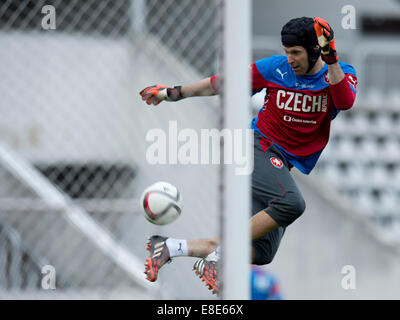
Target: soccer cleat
207, 272
159, 255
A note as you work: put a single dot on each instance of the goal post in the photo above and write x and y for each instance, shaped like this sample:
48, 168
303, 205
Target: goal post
235, 277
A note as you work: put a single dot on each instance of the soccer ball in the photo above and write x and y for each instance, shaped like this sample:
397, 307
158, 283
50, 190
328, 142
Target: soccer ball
161, 203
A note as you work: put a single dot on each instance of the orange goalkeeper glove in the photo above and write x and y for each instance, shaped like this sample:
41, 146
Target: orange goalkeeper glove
158, 93
326, 40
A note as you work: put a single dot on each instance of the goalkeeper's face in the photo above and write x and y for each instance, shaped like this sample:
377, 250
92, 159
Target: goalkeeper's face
297, 57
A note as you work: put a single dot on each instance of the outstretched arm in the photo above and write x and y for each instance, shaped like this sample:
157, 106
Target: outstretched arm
205, 87
158, 93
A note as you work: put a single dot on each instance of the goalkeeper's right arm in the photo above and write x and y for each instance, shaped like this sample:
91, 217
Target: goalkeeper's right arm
158, 93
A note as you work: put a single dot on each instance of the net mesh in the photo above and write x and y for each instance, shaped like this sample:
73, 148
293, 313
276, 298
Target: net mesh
74, 141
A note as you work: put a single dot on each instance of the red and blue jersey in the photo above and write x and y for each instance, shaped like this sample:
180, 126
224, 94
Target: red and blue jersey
298, 110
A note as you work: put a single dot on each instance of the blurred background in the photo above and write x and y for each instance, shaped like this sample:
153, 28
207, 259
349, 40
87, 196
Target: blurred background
353, 194
73, 148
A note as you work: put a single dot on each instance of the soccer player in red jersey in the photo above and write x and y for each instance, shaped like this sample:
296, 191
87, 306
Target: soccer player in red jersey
305, 89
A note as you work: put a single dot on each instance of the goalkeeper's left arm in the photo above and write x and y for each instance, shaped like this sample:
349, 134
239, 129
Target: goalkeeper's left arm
157, 93
342, 94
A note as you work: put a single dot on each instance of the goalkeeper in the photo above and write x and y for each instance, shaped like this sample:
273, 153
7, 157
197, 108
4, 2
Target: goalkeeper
305, 89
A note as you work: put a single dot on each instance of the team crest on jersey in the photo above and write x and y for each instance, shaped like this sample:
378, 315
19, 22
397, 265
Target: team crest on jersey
277, 163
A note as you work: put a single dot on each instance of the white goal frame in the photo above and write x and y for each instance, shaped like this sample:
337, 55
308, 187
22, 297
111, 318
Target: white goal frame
235, 233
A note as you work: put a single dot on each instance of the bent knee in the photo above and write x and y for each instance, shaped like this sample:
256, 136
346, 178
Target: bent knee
263, 260
296, 203
262, 256
288, 209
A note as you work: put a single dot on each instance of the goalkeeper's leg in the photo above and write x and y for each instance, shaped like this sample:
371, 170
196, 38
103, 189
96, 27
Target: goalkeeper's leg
277, 203
163, 250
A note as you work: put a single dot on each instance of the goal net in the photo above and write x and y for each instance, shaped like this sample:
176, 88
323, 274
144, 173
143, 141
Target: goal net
75, 137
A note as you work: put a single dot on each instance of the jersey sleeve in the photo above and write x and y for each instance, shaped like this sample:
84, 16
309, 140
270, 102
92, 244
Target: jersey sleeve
257, 80
344, 92
352, 80
260, 73
351, 75
215, 83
